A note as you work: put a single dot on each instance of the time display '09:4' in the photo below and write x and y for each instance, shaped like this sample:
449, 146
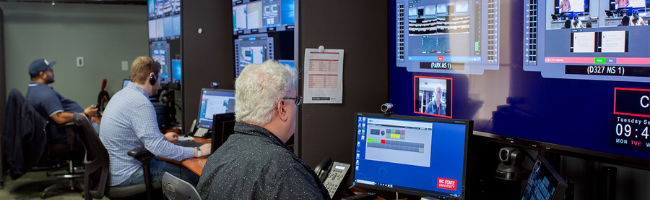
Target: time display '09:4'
631, 132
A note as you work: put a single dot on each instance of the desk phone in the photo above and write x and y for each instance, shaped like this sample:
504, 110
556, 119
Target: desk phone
334, 175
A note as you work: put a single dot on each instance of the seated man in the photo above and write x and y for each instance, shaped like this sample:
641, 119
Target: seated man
49, 103
129, 122
436, 106
255, 163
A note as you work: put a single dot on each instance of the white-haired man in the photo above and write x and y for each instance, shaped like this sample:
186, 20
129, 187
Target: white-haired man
255, 163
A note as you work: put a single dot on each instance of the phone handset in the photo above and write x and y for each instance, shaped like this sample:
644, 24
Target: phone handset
193, 127
334, 176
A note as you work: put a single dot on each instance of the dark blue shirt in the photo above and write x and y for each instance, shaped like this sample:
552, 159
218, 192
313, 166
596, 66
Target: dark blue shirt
255, 164
48, 102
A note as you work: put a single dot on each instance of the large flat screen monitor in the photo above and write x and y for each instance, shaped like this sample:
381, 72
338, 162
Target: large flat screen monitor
164, 19
250, 17
161, 52
417, 155
214, 101
262, 30
584, 89
544, 183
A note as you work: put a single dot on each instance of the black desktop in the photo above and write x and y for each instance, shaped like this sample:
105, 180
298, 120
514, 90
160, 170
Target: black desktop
223, 125
422, 156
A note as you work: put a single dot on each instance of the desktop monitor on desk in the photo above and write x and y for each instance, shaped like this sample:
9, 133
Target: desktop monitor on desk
416, 155
223, 125
214, 101
125, 83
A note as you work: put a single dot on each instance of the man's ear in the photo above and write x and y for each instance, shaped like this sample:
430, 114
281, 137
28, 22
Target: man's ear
282, 111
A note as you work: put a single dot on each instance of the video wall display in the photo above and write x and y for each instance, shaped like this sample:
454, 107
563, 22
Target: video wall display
164, 18
576, 75
262, 30
426, 29
250, 16
160, 51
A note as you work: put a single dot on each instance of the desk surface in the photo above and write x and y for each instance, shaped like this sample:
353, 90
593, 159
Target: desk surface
194, 164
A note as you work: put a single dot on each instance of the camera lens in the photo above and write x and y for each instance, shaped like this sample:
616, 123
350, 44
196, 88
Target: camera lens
503, 155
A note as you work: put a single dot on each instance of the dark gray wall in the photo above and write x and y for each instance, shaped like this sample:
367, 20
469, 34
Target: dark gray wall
361, 29
3, 97
105, 35
207, 57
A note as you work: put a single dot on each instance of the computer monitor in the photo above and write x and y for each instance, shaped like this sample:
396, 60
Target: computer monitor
214, 101
125, 83
291, 64
416, 155
176, 70
223, 125
544, 183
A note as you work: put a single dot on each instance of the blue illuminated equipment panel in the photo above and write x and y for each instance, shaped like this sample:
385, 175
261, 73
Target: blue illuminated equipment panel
416, 155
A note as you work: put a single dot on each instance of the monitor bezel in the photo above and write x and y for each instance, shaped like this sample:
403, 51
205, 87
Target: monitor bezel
198, 114
464, 187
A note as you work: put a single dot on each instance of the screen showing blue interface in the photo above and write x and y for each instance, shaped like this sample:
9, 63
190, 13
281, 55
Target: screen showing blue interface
422, 156
250, 16
125, 83
214, 102
164, 19
291, 64
526, 69
176, 70
541, 184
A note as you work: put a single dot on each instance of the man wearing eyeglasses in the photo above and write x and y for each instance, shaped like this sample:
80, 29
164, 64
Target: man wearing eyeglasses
436, 106
255, 163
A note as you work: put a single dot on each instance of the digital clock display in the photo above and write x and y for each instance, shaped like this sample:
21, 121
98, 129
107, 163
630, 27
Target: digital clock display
631, 132
631, 120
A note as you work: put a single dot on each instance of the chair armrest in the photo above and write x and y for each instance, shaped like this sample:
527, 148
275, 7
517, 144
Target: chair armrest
141, 154
66, 124
144, 156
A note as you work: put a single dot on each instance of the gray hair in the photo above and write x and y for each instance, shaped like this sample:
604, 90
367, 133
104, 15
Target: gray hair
257, 90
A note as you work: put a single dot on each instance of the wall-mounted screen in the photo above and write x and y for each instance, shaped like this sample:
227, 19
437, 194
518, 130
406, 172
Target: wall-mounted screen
160, 51
164, 19
250, 17
578, 87
262, 30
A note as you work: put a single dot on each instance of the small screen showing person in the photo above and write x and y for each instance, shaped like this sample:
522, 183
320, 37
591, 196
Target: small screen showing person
433, 96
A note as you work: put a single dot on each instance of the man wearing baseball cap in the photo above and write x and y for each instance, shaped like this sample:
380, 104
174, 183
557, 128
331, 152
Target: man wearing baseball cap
49, 103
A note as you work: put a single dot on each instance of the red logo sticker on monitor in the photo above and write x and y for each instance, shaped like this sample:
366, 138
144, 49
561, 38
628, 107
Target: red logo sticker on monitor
440, 58
449, 184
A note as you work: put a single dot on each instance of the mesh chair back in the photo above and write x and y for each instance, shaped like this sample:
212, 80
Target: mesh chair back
96, 161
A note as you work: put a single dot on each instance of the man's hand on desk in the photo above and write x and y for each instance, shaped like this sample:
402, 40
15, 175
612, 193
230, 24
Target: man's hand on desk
171, 136
205, 150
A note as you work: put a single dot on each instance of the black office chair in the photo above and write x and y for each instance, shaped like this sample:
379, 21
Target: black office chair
175, 188
97, 165
24, 127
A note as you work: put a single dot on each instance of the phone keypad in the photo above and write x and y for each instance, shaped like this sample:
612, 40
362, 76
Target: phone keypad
336, 175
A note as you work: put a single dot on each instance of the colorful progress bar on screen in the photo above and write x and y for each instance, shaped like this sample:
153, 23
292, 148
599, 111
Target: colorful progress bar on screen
396, 145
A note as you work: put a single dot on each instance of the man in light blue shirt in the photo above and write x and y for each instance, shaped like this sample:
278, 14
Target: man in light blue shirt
129, 122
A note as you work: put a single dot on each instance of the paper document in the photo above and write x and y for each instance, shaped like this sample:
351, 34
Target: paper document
323, 76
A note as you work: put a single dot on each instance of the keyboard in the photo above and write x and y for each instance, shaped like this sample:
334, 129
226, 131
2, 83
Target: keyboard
189, 144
